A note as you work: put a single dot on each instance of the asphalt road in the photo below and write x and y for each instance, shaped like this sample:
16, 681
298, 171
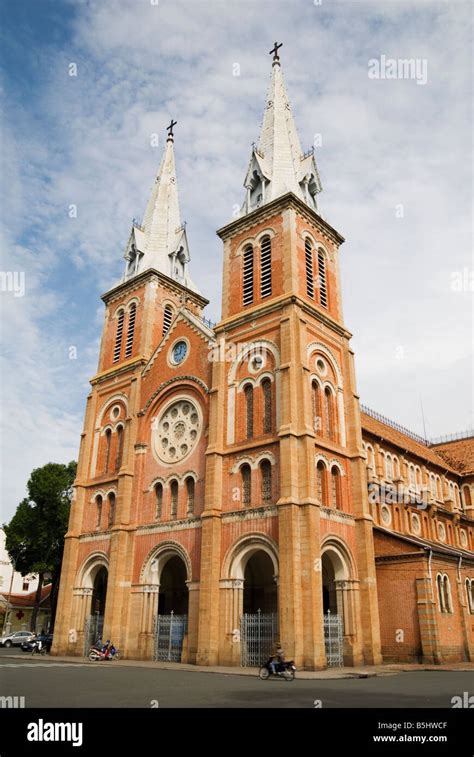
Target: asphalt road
46, 683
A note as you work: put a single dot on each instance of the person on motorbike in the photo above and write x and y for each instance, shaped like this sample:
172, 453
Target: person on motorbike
277, 659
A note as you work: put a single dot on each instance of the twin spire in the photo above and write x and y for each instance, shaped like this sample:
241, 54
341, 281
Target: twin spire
277, 166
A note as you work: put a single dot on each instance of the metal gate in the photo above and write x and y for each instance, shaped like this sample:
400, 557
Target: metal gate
334, 640
170, 631
92, 631
258, 632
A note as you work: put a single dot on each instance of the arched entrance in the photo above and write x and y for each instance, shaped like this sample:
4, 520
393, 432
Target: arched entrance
335, 565
167, 577
251, 599
260, 589
94, 592
173, 596
99, 592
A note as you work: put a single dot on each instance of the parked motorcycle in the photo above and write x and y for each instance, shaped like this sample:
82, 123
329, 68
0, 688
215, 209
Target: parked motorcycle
286, 670
107, 652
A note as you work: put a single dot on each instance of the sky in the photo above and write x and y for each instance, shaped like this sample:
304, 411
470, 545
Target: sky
79, 157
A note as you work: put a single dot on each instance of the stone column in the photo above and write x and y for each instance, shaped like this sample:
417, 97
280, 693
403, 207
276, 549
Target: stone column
232, 603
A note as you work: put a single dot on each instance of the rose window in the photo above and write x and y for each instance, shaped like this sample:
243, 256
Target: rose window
177, 431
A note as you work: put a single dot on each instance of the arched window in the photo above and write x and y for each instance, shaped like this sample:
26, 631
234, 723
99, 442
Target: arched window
190, 495
444, 593
470, 594
329, 411
174, 488
118, 459
159, 500
267, 405
308, 252
248, 391
322, 279
131, 329
389, 467
321, 482
108, 442
433, 485
247, 280
99, 511
466, 494
266, 473
412, 476
246, 474
317, 409
111, 509
265, 267
370, 458
336, 487
119, 336
167, 318
439, 585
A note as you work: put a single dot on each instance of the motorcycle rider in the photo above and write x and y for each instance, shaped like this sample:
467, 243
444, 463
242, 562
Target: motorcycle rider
277, 659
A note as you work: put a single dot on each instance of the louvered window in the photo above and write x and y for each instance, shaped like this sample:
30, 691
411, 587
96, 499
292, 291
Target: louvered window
190, 495
167, 318
131, 329
309, 269
159, 500
248, 276
249, 409
119, 336
323, 287
266, 472
246, 484
266, 267
174, 498
267, 406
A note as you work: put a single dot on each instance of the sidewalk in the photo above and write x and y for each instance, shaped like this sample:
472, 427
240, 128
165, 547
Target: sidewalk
369, 671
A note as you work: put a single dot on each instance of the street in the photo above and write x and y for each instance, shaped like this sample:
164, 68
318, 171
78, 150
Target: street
43, 682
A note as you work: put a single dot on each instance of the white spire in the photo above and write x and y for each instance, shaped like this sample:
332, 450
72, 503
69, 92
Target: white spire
160, 242
278, 165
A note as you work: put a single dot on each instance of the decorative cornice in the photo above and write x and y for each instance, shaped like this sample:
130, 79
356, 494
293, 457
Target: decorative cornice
153, 275
171, 525
272, 208
174, 380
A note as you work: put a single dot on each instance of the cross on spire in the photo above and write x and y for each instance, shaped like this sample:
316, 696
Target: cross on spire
274, 52
169, 129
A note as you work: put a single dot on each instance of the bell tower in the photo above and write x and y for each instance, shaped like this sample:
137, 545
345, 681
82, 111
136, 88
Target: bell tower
284, 392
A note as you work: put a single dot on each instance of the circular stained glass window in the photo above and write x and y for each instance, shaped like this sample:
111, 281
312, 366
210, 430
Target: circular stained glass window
176, 431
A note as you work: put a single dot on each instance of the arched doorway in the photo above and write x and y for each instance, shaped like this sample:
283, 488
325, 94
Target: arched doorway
171, 625
335, 566
99, 592
252, 598
173, 596
95, 581
260, 589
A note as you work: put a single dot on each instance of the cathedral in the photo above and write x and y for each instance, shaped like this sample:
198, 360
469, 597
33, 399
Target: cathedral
231, 491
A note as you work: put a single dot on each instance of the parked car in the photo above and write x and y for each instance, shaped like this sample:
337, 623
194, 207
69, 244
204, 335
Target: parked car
45, 638
15, 639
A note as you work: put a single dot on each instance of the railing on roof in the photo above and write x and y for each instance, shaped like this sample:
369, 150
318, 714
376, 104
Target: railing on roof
452, 437
396, 426
206, 321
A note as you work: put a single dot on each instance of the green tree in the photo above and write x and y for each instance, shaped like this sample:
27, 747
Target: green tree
35, 534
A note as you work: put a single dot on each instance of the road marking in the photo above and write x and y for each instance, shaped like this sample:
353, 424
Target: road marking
47, 665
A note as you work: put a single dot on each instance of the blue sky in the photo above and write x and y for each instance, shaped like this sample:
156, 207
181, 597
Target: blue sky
85, 140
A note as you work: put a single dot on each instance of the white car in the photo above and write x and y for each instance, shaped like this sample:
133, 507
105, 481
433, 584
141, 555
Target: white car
17, 638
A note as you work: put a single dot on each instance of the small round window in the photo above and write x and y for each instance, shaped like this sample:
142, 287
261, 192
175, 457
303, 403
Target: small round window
115, 412
321, 366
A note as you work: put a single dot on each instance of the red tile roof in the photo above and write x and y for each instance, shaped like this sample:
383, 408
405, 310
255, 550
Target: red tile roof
27, 600
459, 453
403, 441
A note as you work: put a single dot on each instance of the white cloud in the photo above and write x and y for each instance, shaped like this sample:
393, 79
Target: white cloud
86, 140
